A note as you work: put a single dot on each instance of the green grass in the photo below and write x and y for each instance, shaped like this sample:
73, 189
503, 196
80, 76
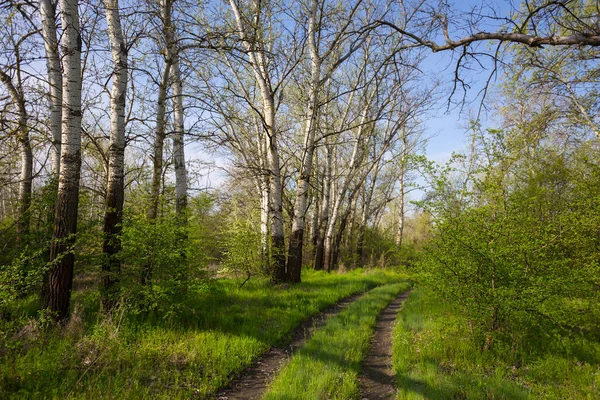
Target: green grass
191, 350
435, 357
328, 365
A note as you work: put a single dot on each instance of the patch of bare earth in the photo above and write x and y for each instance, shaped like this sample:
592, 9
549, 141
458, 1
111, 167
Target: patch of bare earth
252, 382
377, 379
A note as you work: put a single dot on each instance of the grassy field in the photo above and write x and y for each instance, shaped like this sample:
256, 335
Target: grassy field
435, 358
327, 366
191, 350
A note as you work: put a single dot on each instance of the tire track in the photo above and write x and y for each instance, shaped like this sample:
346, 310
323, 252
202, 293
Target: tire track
252, 383
377, 379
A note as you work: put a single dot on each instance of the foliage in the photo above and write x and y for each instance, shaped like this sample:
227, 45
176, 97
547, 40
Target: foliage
242, 245
517, 249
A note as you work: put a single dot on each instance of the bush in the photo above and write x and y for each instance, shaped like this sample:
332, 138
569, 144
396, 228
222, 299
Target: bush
519, 253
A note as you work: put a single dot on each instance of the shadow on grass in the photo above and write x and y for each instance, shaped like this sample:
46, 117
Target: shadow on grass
257, 311
461, 385
262, 314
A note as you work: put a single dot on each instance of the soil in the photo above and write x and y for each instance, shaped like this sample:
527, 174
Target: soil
377, 379
252, 382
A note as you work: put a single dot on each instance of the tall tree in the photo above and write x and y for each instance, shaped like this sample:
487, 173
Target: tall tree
115, 191
62, 258
252, 35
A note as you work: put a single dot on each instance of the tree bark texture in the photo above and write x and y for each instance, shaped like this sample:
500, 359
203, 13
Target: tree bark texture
172, 55
62, 259
294, 265
401, 173
115, 192
259, 61
179, 143
159, 142
48, 16
324, 217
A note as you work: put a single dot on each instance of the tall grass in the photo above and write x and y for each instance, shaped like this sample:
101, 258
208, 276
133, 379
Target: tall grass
435, 357
195, 348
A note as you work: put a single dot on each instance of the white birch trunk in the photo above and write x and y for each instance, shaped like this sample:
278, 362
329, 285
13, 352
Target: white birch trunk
115, 191
400, 231
178, 141
159, 141
401, 206
324, 223
172, 55
60, 278
48, 16
265, 215
294, 265
258, 61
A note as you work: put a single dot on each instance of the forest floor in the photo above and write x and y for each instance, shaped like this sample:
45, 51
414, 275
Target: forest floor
328, 337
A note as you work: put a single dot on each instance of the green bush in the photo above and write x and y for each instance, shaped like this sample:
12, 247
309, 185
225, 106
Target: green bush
518, 251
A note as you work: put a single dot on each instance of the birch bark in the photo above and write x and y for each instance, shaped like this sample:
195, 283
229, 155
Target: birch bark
115, 192
48, 16
178, 141
324, 218
294, 264
258, 61
402, 190
62, 259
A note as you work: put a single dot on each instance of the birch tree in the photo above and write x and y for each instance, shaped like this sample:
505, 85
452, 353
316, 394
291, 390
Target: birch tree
251, 33
115, 191
60, 278
54, 69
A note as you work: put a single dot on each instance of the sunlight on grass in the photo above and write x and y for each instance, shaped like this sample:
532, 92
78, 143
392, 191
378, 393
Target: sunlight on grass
435, 358
215, 332
327, 366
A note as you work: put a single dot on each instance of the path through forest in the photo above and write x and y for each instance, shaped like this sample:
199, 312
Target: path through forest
377, 380
252, 383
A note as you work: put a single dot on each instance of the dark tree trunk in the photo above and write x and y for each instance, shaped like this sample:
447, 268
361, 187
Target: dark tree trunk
319, 253
294, 265
278, 259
